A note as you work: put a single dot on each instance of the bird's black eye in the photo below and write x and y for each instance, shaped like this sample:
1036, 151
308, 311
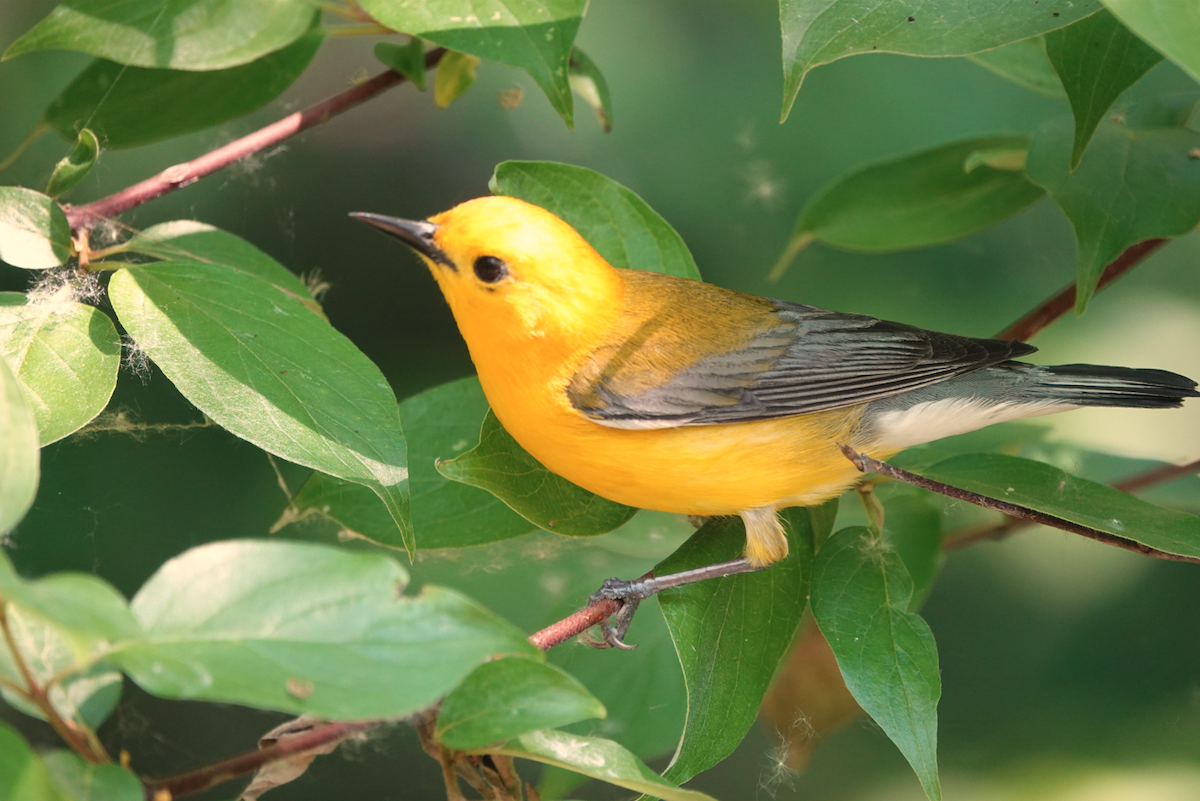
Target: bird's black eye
489, 269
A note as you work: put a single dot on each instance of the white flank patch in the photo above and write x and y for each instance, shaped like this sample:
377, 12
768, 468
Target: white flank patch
932, 420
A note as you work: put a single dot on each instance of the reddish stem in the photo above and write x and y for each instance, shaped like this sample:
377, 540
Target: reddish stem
591, 615
181, 175
1064, 301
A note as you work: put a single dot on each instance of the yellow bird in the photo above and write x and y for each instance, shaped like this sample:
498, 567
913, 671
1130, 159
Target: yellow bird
670, 394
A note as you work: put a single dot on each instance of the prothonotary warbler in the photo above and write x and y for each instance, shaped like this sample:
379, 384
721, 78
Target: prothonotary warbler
671, 394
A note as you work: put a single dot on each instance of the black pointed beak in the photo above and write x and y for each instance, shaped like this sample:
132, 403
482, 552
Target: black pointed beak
417, 234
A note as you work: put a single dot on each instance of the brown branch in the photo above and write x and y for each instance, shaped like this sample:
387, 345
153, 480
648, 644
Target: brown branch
189, 172
201, 779
1064, 301
867, 464
1159, 475
591, 615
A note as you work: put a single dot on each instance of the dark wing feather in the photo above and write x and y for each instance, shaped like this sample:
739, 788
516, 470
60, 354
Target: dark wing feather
810, 361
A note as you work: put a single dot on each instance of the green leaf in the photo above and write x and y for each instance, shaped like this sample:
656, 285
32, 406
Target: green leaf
614, 220
533, 35
132, 106
915, 201
174, 34
23, 776
1170, 26
34, 233
597, 759
83, 781
1047, 489
505, 469
816, 32
509, 697
454, 76
407, 59
441, 423
860, 598
83, 694
1025, 63
19, 454
75, 165
254, 359
1132, 185
1097, 59
588, 83
65, 355
192, 240
304, 628
730, 634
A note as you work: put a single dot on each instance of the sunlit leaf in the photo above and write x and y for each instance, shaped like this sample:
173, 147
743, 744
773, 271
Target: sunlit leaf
175, 34
589, 84
304, 628
65, 355
34, 233
19, 454
455, 75
256, 360
1172, 27
74, 166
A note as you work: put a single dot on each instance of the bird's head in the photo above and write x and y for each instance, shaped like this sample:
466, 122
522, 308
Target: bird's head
512, 270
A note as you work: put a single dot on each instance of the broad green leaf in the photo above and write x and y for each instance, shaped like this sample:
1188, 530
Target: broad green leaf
455, 75
131, 106
816, 32
407, 59
1097, 59
83, 781
588, 83
23, 776
533, 35
597, 759
192, 240
508, 698
730, 634
1047, 489
1132, 185
83, 695
65, 355
505, 469
19, 454
75, 165
441, 423
1025, 63
172, 34
860, 598
253, 358
614, 220
1171, 26
304, 628
34, 233
915, 201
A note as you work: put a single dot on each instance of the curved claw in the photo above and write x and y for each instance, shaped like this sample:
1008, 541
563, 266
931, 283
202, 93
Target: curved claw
628, 593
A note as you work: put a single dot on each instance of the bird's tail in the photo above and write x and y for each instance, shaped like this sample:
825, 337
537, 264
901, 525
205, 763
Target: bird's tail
1095, 385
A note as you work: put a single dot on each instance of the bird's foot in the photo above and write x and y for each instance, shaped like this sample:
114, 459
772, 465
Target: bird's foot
632, 593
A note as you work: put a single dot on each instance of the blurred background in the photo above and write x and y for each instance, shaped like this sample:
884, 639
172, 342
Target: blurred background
1070, 670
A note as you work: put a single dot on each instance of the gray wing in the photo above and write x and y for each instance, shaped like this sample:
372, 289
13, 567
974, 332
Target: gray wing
810, 360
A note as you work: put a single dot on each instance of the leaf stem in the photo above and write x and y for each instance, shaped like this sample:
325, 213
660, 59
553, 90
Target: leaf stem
867, 464
366, 29
1062, 302
189, 172
84, 742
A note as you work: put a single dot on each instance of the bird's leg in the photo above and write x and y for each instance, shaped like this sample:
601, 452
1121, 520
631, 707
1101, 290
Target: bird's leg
632, 593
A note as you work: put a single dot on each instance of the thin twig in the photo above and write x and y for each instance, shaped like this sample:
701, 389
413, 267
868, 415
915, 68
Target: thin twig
208, 776
1064, 301
189, 172
867, 464
591, 615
